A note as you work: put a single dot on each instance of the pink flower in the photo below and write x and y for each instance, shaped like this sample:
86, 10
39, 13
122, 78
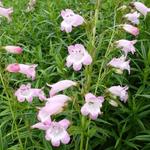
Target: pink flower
57, 133
6, 12
28, 70
78, 56
133, 17
54, 105
70, 19
60, 86
119, 91
92, 106
28, 93
13, 49
42, 125
131, 29
126, 46
141, 8
120, 63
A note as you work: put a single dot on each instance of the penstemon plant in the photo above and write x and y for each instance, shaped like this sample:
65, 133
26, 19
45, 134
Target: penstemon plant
80, 58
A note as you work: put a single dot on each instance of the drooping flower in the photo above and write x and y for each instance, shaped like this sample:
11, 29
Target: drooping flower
133, 17
131, 29
141, 8
70, 20
6, 12
42, 125
92, 106
25, 92
13, 49
126, 46
120, 63
57, 133
60, 86
78, 56
119, 91
28, 70
54, 105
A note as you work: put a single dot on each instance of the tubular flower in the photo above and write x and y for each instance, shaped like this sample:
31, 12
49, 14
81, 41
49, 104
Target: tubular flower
78, 56
28, 93
42, 125
119, 91
54, 105
60, 86
126, 46
70, 20
6, 12
141, 8
120, 63
133, 17
57, 133
92, 106
131, 29
13, 49
28, 70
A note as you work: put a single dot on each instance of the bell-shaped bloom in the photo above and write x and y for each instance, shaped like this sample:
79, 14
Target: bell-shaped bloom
70, 20
141, 8
126, 46
92, 106
28, 70
42, 125
133, 17
131, 29
13, 49
78, 56
54, 105
25, 92
57, 133
60, 86
119, 91
120, 63
6, 12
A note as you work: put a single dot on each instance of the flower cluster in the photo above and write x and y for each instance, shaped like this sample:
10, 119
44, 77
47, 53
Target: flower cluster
56, 131
126, 46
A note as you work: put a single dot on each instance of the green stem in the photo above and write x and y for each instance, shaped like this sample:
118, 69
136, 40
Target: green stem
88, 72
13, 116
106, 55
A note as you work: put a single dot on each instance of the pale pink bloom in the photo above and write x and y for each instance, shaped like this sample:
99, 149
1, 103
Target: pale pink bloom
120, 63
141, 8
60, 86
28, 70
13, 49
126, 46
42, 125
70, 20
54, 105
92, 106
78, 56
57, 133
119, 91
133, 17
6, 12
25, 92
131, 29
